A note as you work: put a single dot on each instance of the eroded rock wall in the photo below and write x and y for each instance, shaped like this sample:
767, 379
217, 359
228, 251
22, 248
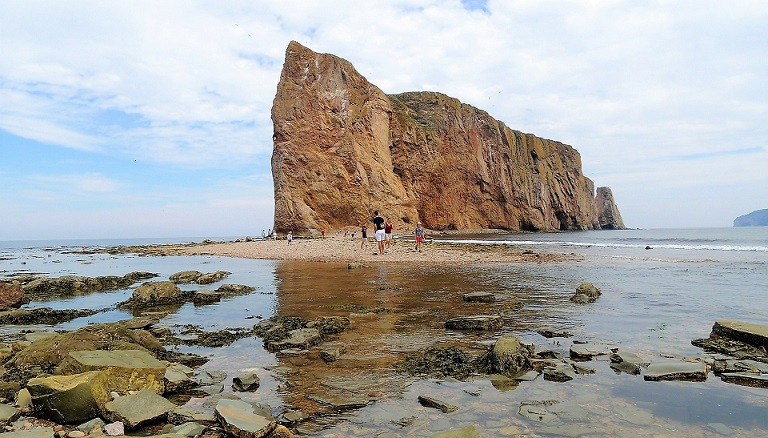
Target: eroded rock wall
343, 148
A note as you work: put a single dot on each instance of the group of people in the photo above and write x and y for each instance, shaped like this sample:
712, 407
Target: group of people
383, 233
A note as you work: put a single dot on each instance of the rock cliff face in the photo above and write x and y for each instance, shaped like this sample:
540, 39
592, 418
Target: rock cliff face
343, 148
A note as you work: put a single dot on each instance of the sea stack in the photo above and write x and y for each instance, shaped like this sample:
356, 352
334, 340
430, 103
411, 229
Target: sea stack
342, 148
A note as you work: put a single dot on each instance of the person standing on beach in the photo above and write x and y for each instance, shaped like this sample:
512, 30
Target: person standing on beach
364, 232
289, 237
378, 223
388, 233
419, 232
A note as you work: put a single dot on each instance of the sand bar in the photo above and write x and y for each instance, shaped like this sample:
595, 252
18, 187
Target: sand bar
347, 250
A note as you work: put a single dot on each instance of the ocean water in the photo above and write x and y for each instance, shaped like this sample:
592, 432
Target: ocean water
661, 289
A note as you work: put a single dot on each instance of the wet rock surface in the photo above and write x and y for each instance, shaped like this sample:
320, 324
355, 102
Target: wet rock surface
430, 402
39, 288
240, 419
138, 409
676, 370
11, 295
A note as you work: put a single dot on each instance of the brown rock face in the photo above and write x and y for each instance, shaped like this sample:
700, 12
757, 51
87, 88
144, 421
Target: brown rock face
343, 148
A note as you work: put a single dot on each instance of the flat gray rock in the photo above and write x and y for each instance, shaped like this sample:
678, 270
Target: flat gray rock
753, 334
587, 351
141, 408
747, 379
239, 419
475, 322
246, 382
465, 432
38, 432
676, 370
560, 373
300, 338
8, 414
189, 429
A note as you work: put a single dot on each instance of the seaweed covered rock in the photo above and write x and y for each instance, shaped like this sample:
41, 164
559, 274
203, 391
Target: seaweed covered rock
43, 315
586, 293
508, 356
439, 362
290, 332
154, 293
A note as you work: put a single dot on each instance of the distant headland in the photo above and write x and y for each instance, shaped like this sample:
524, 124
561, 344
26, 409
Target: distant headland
758, 218
343, 148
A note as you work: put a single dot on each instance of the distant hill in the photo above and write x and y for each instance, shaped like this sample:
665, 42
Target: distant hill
758, 218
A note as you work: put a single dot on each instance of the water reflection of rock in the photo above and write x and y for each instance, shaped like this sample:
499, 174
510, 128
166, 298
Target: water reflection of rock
393, 311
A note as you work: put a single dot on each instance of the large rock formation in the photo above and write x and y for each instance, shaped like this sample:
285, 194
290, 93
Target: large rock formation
343, 148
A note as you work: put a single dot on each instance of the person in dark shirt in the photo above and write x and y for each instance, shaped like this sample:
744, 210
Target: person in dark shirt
378, 223
364, 232
388, 233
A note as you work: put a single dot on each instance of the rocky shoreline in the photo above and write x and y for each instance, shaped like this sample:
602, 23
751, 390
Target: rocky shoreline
116, 378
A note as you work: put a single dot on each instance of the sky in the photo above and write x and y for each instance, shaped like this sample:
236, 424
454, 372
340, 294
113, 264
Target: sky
133, 119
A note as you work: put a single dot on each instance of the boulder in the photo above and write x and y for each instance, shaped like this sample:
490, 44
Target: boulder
437, 404
586, 293
676, 370
239, 419
66, 399
204, 296
479, 297
120, 370
185, 276
508, 356
138, 409
476, 322
246, 382
11, 295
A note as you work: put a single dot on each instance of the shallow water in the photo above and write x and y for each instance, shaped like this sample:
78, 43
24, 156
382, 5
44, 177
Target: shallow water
654, 301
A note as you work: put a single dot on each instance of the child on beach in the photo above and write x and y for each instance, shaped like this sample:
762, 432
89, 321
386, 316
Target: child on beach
289, 237
364, 232
419, 236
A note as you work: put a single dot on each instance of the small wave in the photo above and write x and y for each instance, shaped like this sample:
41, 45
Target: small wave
611, 245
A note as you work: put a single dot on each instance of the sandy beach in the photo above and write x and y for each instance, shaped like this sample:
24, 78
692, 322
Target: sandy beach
347, 250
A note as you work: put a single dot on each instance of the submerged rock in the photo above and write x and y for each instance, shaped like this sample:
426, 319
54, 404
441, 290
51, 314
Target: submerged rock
430, 402
475, 322
479, 297
587, 351
626, 362
246, 382
465, 432
299, 338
